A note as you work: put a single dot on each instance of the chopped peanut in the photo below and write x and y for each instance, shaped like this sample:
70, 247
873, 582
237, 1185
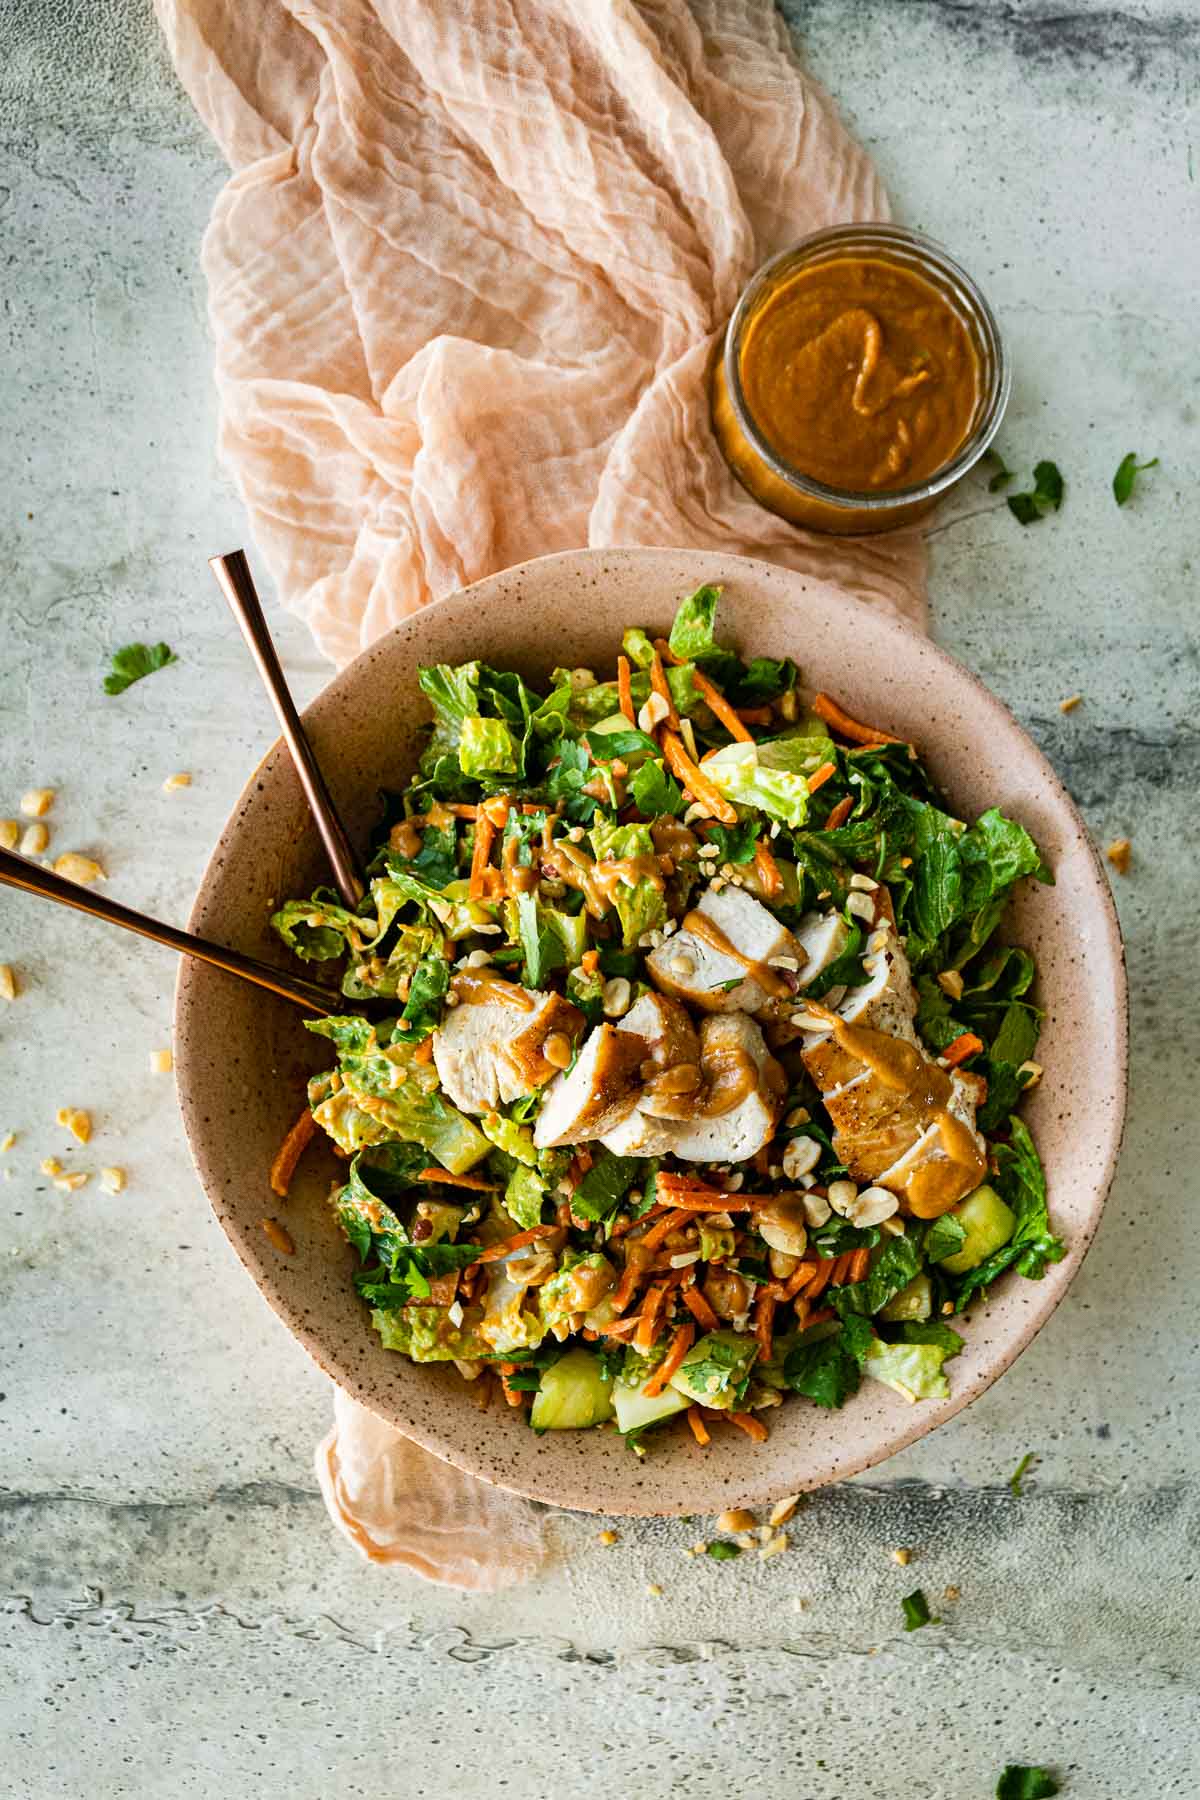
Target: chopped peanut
654, 1591
77, 1122
608, 1537
951, 982
8, 982
782, 1510
903, 1557
182, 780
10, 834
68, 1184
277, 1237
37, 802
35, 840
1070, 703
74, 867
736, 1518
161, 1062
50, 1165
7, 1141
112, 1180
1120, 855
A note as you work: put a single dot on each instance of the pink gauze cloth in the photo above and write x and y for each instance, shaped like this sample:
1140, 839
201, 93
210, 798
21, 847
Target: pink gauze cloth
464, 283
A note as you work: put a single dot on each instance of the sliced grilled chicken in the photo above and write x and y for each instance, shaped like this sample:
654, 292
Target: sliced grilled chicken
593, 1097
720, 960
641, 1134
489, 1050
822, 937
886, 1002
671, 1072
966, 1096
742, 1098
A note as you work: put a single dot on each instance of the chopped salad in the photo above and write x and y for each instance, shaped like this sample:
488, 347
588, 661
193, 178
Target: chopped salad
677, 1055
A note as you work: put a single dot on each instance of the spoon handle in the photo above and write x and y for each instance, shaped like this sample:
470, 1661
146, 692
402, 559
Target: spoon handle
237, 584
32, 878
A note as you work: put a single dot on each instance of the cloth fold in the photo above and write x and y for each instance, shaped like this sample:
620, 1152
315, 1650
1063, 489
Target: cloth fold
464, 282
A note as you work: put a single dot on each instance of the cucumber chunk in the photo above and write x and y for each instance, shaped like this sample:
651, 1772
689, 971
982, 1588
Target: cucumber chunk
635, 1408
715, 1369
988, 1223
574, 1393
912, 1302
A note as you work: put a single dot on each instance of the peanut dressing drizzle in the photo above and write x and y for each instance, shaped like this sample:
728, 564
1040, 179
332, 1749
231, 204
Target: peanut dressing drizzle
479, 987
704, 928
938, 1183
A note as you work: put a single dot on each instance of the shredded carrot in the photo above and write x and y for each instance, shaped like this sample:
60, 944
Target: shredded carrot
589, 962
820, 776
679, 1346
514, 1396
619, 1328
625, 1226
668, 655
764, 1316
648, 1329
859, 1264
699, 1308
627, 1287
662, 1229
290, 1152
696, 1421
841, 812
820, 1280
588, 1335
681, 765
821, 1318
769, 878
754, 715
496, 810
827, 708
424, 1050
722, 708
799, 1278
463, 812
662, 687
753, 1428
485, 837
476, 1183
518, 1242
625, 689
841, 1272
962, 1047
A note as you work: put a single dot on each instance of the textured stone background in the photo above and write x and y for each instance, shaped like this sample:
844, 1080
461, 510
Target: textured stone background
179, 1619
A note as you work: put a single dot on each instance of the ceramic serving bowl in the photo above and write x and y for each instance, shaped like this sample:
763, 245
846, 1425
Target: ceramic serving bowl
242, 1056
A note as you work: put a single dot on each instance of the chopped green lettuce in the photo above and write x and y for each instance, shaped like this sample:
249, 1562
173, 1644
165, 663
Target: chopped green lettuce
398, 1094
523, 1197
485, 747
737, 773
640, 905
510, 1320
1020, 1181
426, 1334
914, 1367
318, 930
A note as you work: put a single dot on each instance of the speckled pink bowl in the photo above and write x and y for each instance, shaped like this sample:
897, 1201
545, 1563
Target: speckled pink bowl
241, 1056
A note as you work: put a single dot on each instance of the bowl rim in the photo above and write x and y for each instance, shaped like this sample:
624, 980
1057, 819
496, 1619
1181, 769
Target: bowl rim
1046, 1295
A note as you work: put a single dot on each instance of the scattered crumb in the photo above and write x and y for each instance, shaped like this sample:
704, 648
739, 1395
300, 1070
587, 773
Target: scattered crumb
1070, 703
799, 1603
34, 841
161, 1062
774, 1545
952, 1593
8, 982
951, 982
10, 834
70, 1184
37, 802
74, 867
50, 1165
700, 1549
609, 1537
782, 1510
277, 1237
7, 1141
182, 780
112, 1180
653, 1589
736, 1518
947, 1306
1120, 855
76, 1121
745, 1540
903, 1557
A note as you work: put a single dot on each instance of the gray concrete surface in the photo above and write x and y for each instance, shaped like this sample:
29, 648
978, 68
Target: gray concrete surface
178, 1619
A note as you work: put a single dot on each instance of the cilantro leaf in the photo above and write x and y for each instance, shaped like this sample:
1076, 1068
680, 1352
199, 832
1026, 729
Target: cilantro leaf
826, 1364
134, 661
1003, 474
1014, 1480
1045, 496
605, 1185
722, 1551
735, 843
1128, 470
915, 1608
655, 792
1020, 1781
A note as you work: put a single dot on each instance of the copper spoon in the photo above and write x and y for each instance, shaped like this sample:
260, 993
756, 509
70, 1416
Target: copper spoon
32, 878
237, 584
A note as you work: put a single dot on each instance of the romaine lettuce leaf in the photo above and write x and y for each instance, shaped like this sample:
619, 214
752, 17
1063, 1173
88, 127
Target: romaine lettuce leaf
912, 1369
319, 930
825, 1362
398, 1095
486, 747
736, 772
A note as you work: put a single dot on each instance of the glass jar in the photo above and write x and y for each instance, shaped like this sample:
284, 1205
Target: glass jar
773, 480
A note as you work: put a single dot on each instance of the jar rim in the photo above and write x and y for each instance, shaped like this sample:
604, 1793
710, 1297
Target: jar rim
928, 257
